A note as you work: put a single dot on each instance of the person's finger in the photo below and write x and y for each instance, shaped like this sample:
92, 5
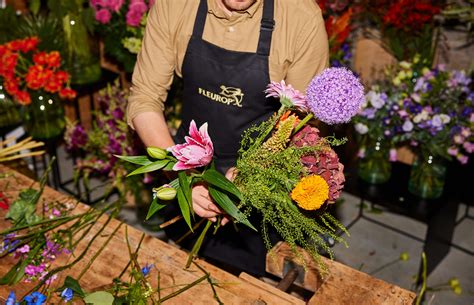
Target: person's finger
225, 220
202, 198
204, 213
231, 173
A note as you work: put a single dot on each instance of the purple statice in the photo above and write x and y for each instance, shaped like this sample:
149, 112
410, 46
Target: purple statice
289, 96
335, 96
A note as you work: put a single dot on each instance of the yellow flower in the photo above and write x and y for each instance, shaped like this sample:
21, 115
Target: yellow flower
311, 192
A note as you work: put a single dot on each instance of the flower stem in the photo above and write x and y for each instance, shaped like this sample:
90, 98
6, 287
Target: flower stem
198, 244
303, 122
172, 295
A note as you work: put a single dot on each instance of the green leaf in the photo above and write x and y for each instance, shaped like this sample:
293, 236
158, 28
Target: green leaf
139, 160
74, 285
185, 185
154, 207
99, 298
184, 206
154, 166
223, 200
216, 179
170, 166
35, 6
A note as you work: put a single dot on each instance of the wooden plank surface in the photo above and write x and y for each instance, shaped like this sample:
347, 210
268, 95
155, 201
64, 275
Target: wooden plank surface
168, 259
342, 285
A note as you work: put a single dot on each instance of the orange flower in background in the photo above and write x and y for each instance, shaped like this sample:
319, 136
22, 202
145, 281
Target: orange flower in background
338, 29
67, 93
23, 98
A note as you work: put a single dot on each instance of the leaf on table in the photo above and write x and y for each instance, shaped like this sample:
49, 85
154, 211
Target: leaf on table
99, 298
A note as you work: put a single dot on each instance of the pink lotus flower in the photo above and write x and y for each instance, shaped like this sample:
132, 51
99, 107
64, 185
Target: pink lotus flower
287, 94
196, 152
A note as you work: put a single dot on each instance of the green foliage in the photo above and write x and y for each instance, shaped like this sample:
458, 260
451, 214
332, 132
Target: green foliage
23, 210
99, 298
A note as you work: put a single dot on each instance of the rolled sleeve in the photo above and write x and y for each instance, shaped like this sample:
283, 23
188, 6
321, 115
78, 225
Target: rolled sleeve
154, 70
312, 52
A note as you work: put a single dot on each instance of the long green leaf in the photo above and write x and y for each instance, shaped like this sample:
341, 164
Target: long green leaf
139, 160
157, 165
154, 207
185, 185
184, 206
223, 200
216, 179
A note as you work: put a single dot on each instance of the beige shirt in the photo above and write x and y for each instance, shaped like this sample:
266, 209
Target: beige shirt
298, 52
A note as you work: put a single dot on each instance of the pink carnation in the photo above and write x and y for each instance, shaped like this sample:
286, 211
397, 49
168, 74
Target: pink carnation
103, 16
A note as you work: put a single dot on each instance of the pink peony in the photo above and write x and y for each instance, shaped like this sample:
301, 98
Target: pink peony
324, 163
196, 152
287, 94
136, 10
103, 16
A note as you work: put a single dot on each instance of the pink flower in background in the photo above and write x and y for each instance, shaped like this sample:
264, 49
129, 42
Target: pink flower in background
469, 147
136, 10
103, 16
196, 152
287, 94
393, 155
115, 5
462, 159
453, 151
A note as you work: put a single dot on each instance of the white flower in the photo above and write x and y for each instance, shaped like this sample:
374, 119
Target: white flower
407, 126
445, 118
375, 99
361, 128
423, 116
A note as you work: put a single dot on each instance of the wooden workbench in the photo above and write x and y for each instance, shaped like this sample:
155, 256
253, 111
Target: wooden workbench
342, 286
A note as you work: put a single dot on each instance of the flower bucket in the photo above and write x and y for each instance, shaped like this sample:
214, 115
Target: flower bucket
427, 177
44, 118
374, 165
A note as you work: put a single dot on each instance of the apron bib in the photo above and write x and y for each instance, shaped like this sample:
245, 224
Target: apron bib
226, 89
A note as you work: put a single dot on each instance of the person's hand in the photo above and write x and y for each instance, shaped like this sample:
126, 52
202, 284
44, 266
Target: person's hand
202, 203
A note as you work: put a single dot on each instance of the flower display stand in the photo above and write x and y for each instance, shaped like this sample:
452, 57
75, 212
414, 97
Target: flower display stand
340, 285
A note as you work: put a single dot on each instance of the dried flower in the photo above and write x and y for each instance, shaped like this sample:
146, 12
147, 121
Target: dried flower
310, 192
335, 95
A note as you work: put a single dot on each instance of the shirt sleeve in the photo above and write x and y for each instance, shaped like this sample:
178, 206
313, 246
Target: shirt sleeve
312, 52
154, 70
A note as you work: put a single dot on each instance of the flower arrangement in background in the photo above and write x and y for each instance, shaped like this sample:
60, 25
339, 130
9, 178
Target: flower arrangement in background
122, 25
27, 71
338, 16
406, 27
285, 171
109, 136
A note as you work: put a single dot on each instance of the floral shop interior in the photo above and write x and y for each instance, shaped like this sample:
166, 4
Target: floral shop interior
322, 153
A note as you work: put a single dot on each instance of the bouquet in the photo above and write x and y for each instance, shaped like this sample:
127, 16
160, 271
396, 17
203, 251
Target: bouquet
26, 71
109, 136
286, 172
122, 24
407, 27
432, 111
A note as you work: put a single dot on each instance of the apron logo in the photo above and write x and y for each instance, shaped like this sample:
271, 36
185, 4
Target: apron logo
229, 95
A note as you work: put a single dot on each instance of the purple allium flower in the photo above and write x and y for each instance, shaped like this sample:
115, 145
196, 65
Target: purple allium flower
335, 95
288, 96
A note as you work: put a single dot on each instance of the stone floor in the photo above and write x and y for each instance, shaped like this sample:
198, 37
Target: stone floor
371, 247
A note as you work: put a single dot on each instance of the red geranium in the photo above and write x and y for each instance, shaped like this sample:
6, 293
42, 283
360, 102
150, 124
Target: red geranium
37, 70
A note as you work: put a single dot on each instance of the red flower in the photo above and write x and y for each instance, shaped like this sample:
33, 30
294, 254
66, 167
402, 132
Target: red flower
37, 77
29, 44
53, 59
40, 58
62, 76
4, 202
15, 45
8, 64
67, 93
410, 15
53, 85
23, 98
11, 86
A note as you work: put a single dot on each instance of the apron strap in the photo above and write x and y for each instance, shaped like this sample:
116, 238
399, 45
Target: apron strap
200, 19
266, 26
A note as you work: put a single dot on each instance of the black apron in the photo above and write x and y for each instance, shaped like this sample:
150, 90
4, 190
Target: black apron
226, 89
